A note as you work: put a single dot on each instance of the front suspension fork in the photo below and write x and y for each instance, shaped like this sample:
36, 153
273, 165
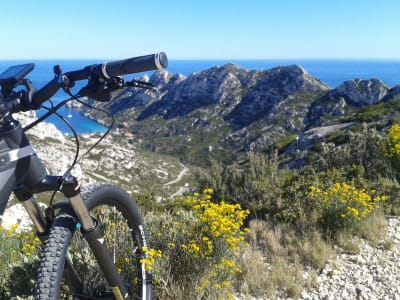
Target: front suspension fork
92, 233
69, 186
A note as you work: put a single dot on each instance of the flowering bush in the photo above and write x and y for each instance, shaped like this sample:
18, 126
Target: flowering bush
392, 149
19, 255
394, 141
201, 244
343, 205
150, 259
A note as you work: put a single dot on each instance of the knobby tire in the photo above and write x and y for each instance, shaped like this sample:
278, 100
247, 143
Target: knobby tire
67, 269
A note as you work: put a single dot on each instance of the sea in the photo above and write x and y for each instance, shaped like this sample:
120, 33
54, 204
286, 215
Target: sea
333, 72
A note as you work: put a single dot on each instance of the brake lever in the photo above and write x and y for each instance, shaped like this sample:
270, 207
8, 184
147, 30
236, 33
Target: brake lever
27, 98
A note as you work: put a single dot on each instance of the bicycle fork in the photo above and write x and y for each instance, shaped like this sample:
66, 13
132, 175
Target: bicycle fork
90, 229
91, 232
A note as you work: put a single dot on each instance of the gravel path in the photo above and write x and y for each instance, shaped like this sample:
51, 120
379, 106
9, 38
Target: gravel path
180, 175
373, 273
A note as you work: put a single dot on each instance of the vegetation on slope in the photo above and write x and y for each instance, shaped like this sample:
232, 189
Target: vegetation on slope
257, 209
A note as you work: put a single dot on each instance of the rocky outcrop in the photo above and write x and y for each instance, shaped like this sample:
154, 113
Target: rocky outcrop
350, 94
361, 92
218, 88
393, 92
246, 110
275, 88
240, 96
43, 130
139, 97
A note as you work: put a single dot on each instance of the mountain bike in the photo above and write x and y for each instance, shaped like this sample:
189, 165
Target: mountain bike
95, 244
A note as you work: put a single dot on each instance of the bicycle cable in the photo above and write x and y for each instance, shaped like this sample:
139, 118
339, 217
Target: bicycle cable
54, 110
110, 126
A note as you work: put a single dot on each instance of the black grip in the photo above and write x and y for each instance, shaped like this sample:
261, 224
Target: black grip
45, 92
158, 61
81, 74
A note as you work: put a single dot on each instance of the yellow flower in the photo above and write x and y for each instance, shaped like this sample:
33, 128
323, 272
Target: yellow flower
14, 226
343, 196
149, 260
208, 191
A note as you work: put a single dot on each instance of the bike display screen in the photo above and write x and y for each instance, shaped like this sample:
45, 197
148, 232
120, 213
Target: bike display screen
14, 74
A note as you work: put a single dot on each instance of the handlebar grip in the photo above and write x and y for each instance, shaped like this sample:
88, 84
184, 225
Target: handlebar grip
158, 61
80, 74
45, 92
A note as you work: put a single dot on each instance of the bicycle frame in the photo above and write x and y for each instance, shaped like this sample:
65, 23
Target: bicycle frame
19, 164
22, 172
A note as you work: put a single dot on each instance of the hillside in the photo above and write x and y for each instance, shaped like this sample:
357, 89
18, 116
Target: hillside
305, 223
219, 114
137, 170
223, 112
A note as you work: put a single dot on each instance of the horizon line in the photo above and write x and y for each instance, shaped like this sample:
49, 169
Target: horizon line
215, 59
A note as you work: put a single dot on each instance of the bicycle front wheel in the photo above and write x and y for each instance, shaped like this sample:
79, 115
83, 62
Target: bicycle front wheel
68, 269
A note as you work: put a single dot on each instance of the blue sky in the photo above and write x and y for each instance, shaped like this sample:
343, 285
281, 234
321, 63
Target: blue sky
203, 29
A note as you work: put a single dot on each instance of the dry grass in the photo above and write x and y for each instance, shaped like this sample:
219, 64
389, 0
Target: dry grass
255, 277
374, 228
284, 261
348, 242
315, 251
278, 259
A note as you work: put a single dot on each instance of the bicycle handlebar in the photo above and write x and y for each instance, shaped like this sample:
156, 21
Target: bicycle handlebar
45, 92
158, 61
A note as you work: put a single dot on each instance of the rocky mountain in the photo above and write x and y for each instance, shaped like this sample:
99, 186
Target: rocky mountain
220, 113
351, 94
241, 96
225, 110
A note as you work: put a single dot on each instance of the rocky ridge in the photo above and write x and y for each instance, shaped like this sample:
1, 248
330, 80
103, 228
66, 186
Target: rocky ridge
232, 108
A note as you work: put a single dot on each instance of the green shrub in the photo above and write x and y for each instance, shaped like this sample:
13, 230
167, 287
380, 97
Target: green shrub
284, 142
375, 112
363, 148
392, 148
201, 245
19, 256
343, 206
